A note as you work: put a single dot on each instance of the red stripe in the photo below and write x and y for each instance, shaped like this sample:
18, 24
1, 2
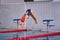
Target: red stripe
36, 36
44, 35
11, 31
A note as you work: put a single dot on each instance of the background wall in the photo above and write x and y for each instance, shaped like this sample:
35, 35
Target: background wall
46, 10
8, 12
11, 1
43, 10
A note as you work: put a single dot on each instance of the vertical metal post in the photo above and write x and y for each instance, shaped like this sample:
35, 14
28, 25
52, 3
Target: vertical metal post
17, 29
47, 22
17, 20
47, 29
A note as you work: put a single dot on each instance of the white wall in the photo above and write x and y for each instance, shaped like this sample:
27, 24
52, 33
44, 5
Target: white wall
43, 10
56, 0
11, 1
0, 1
57, 14
8, 12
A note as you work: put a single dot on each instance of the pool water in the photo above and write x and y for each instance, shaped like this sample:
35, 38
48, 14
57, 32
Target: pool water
5, 36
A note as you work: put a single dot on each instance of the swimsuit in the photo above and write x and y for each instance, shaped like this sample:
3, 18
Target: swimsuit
29, 12
22, 20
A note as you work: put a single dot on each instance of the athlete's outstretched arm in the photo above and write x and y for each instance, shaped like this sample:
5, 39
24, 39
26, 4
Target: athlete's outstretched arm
34, 17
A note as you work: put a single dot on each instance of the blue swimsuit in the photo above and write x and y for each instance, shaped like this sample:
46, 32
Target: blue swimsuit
29, 12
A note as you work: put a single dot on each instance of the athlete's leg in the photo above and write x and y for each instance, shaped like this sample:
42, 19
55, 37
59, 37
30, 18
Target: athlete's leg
34, 17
